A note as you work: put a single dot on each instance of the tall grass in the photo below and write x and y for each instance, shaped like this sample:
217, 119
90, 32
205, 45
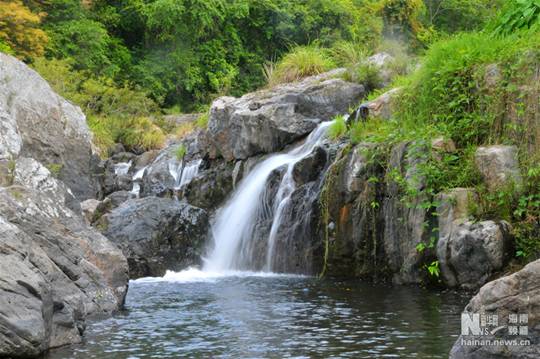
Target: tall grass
301, 62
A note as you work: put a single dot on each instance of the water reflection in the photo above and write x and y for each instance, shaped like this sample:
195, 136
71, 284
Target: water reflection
281, 317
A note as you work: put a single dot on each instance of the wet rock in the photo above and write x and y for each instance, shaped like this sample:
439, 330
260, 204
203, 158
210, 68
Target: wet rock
407, 223
518, 293
238, 129
499, 166
212, 186
157, 234
310, 167
354, 220
37, 123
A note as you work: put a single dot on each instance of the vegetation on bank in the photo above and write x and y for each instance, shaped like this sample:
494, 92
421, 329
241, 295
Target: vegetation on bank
477, 88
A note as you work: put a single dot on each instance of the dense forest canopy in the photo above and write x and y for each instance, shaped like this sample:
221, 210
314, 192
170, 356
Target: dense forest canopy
185, 52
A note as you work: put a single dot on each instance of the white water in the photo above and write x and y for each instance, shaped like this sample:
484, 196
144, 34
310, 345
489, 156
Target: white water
137, 177
233, 228
183, 175
122, 168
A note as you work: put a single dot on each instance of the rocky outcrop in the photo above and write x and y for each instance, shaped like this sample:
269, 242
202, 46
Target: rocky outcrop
469, 253
39, 124
268, 120
499, 166
55, 270
516, 294
156, 234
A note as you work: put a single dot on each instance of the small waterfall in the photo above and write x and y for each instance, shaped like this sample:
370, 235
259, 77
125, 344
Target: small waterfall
184, 174
235, 222
122, 168
191, 170
137, 177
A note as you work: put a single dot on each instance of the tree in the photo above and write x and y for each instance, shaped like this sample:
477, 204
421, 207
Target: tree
19, 30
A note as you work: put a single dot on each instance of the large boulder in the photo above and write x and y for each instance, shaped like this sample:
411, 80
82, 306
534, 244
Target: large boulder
469, 253
268, 120
55, 270
156, 234
515, 301
37, 123
499, 166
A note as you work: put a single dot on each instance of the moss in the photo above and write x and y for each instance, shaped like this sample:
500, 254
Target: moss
55, 169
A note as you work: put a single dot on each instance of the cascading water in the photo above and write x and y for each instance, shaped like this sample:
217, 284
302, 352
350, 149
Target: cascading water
233, 229
184, 174
137, 177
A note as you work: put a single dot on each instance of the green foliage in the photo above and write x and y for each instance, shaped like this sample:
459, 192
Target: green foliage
301, 62
202, 121
55, 168
517, 15
180, 152
338, 128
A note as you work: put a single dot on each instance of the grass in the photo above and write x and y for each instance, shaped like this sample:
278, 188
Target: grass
180, 152
338, 128
300, 62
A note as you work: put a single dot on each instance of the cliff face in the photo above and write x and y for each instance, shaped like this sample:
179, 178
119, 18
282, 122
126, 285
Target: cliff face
55, 270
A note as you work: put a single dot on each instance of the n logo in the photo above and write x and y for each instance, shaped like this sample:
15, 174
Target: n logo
470, 324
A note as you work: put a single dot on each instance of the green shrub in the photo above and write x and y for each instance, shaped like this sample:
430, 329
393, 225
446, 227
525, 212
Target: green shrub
338, 128
302, 61
180, 152
202, 121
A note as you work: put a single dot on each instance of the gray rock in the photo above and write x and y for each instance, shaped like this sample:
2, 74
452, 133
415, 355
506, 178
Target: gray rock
90, 209
407, 222
310, 167
39, 124
268, 120
518, 293
382, 107
499, 166
56, 271
156, 234
472, 252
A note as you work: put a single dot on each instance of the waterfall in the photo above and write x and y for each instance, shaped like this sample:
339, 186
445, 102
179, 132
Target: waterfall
234, 225
183, 175
137, 177
122, 168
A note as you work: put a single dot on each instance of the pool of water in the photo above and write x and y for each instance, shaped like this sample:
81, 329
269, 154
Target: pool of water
243, 315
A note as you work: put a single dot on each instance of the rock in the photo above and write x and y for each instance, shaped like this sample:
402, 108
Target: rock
407, 223
382, 107
183, 118
90, 208
211, 187
499, 166
157, 234
268, 120
518, 293
115, 199
56, 271
442, 144
310, 167
470, 253
37, 123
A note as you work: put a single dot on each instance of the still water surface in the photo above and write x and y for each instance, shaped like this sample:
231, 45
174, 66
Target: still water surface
199, 315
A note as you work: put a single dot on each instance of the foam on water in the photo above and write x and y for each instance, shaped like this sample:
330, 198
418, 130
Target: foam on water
193, 275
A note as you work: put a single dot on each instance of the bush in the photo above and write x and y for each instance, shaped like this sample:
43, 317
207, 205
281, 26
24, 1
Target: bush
301, 62
338, 128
